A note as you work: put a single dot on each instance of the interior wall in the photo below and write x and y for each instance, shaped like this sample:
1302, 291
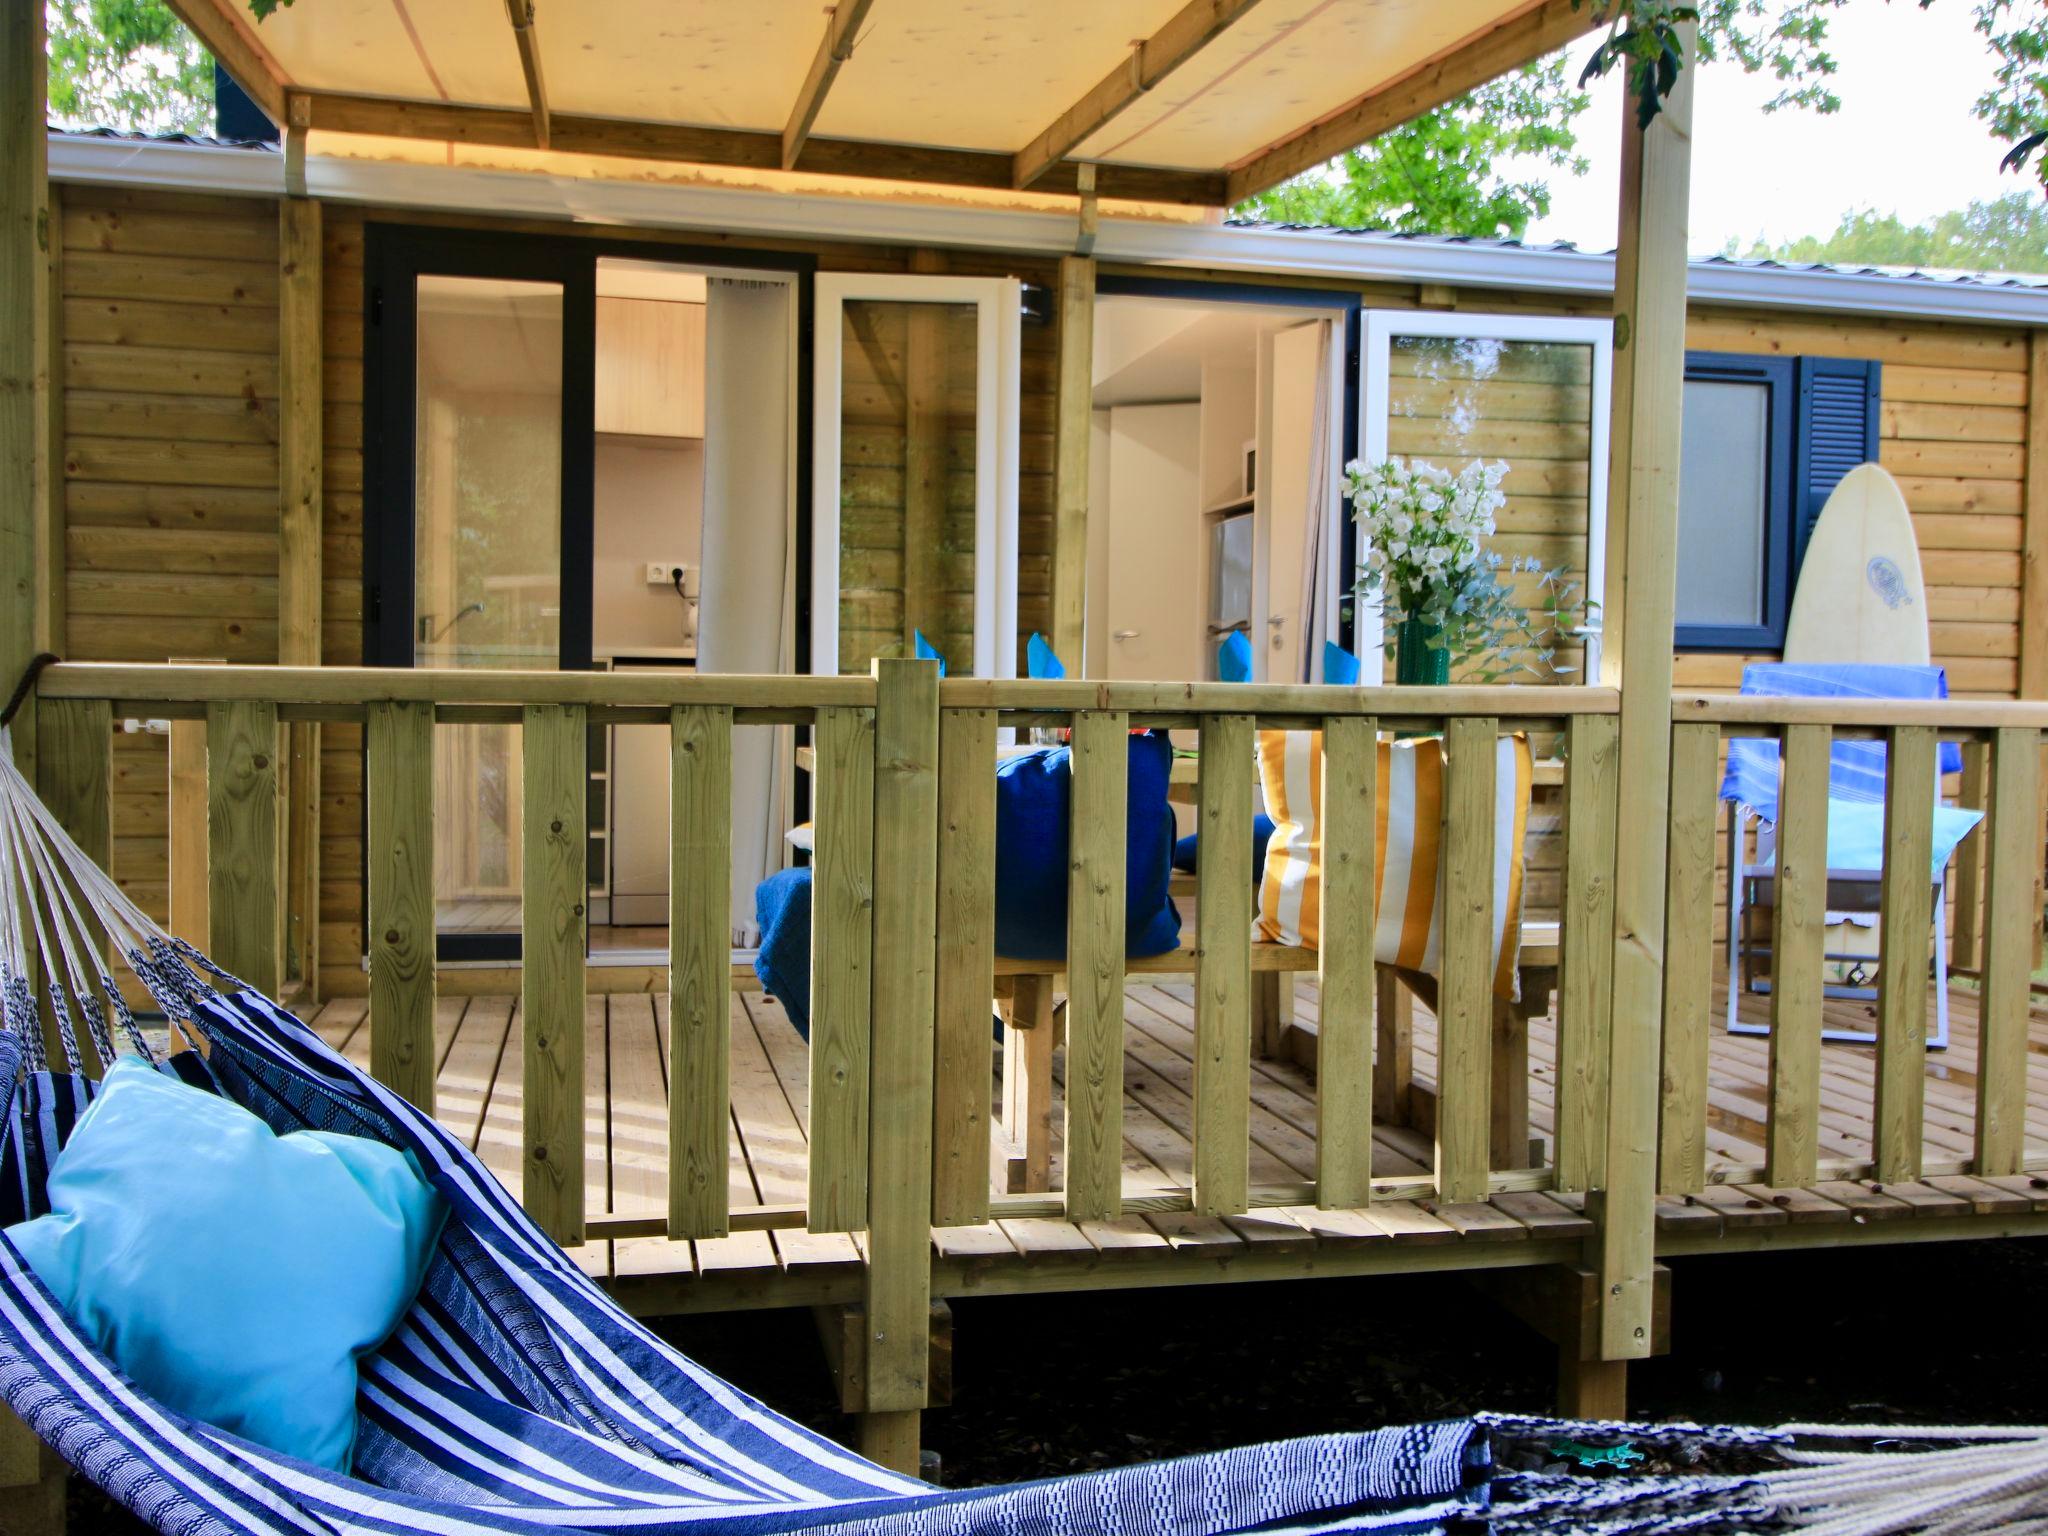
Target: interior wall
649, 506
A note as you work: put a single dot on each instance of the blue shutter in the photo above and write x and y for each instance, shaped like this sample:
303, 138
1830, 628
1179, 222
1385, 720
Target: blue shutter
1837, 430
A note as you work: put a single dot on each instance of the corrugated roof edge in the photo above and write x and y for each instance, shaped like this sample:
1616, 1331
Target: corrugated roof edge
1337, 258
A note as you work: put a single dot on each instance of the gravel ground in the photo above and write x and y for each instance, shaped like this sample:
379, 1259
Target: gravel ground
1942, 1333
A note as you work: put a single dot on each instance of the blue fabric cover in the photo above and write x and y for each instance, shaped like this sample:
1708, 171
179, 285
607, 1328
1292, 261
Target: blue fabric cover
1856, 769
1234, 658
782, 911
926, 651
1034, 805
1040, 660
1340, 668
234, 1274
1187, 851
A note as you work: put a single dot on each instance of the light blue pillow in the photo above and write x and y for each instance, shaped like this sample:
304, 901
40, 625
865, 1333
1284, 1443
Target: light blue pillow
235, 1275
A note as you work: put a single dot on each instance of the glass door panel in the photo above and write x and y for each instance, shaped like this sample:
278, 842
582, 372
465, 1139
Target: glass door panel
487, 556
914, 486
1448, 389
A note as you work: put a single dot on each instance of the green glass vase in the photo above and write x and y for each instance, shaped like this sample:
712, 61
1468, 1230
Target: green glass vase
1421, 658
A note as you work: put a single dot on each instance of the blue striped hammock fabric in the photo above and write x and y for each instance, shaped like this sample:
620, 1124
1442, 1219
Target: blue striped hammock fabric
517, 1399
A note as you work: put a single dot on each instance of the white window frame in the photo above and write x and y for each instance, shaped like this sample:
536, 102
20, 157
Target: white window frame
999, 309
1375, 391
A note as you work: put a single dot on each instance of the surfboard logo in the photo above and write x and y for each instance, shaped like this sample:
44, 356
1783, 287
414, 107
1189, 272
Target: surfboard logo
1888, 581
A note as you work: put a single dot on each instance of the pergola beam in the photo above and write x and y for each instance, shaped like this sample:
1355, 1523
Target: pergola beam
233, 42
842, 27
1192, 28
508, 128
1484, 56
520, 14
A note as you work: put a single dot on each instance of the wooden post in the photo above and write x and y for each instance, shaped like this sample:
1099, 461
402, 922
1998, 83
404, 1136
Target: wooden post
50, 557
299, 468
552, 953
1586, 951
1464, 1111
31, 1479
898, 1276
1638, 616
1223, 970
1344, 1040
1905, 905
1689, 969
1798, 945
966, 967
1074, 408
2010, 912
241, 864
842, 944
924, 458
399, 782
699, 970
1095, 966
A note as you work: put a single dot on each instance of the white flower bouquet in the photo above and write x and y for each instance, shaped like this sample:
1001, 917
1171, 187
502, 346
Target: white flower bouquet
1444, 595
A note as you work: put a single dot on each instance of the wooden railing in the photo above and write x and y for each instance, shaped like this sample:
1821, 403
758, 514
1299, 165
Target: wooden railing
2009, 847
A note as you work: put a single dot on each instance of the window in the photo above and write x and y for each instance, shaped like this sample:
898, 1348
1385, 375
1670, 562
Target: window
1766, 440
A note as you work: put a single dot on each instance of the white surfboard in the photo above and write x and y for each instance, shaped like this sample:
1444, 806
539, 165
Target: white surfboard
1860, 595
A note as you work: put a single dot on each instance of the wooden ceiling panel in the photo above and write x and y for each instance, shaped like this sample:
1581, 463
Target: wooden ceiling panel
425, 50
1286, 64
980, 74
713, 63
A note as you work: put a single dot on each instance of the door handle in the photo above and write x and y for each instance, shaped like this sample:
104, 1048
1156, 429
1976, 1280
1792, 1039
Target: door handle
1126, 634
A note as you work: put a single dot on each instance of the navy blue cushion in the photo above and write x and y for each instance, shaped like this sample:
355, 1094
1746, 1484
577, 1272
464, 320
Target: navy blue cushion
782, 911
1188, 850
1034, 805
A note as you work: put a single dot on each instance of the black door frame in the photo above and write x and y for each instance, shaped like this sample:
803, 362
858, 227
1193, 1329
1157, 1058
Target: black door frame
395, 257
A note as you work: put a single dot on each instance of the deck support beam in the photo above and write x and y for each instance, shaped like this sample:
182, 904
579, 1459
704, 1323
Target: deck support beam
300, 470
1640, 603
1562, 1303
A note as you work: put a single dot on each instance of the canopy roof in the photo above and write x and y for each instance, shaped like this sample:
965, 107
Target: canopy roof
1189, 101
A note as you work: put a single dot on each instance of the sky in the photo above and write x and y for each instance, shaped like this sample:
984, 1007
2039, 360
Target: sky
1905, 140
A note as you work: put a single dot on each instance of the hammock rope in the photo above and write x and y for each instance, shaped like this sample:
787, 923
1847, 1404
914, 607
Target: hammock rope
517, 1400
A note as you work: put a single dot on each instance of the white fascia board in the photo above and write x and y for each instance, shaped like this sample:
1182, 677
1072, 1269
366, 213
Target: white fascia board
1341, 259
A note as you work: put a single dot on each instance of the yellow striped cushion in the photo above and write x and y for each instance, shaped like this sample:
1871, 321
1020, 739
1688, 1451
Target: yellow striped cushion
1406, 842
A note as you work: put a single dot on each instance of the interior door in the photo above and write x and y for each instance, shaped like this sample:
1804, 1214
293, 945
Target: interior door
481, 553
1155, 569
914, 471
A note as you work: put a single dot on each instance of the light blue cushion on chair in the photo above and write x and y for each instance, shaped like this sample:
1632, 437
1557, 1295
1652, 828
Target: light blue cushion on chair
235, 1275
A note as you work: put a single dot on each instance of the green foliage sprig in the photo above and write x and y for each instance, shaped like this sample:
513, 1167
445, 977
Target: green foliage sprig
1644, 36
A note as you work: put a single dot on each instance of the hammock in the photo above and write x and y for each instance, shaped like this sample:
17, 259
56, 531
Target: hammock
516, 1398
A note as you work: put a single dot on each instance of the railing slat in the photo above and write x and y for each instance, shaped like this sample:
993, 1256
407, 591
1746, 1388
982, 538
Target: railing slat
1223, 968
1688, 957
1464, 1115
965, 1048
552, 947
2014, 857
1095, 965
1798, 950
906, 823
74, 780
1904, 924
1966, 884
1345, 978
241, 799
1586, 950
842, 932
399, 786
699, 969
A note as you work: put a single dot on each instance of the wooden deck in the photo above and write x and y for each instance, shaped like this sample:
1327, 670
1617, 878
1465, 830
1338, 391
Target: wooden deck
478, 1086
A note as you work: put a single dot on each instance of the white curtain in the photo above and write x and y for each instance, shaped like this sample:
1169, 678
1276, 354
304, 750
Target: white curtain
1319, 557
749, 563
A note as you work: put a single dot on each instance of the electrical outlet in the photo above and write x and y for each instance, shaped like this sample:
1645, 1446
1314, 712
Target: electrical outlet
658, 572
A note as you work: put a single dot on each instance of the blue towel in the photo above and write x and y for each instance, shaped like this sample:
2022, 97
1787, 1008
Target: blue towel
1234, 658
782, 911
1856, 769
1340, 668
1040, 660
